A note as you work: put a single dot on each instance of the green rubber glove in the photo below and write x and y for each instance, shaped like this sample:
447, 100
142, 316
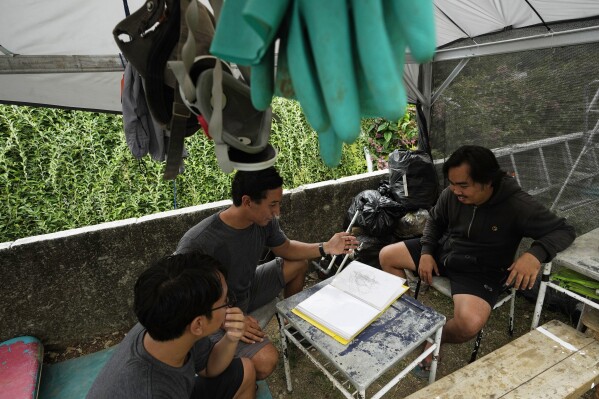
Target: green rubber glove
417, 23
382, 74
306, 88
329, 31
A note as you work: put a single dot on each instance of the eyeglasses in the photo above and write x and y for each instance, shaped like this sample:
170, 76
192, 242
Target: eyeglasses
230, 302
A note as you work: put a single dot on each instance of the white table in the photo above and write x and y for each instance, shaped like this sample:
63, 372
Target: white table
400, 330
583, 257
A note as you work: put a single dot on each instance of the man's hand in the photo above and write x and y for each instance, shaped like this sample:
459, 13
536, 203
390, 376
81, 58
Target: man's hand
426, 267
523, 272
341, 243
234, 324
253, 333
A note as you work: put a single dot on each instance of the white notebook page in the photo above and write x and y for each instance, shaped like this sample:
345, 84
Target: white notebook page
371, 285
338, 311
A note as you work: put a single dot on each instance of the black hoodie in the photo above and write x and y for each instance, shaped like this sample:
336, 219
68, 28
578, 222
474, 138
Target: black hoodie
490, 233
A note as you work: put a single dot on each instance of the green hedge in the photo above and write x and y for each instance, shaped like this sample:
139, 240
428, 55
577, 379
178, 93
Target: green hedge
66, 169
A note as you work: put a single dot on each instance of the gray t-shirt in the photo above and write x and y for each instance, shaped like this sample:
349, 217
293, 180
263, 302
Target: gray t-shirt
238, 250
132, 372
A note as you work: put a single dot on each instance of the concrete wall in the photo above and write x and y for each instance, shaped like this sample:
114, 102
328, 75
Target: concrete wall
77, 284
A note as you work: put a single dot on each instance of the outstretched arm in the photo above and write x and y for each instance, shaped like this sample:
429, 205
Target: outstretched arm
339, 244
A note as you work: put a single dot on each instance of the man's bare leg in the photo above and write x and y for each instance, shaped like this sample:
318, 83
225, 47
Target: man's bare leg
395, 258
247, 389
265, 361
470, 314
294, 272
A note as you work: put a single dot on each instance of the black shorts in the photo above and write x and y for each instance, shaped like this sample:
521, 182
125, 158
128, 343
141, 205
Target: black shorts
223, 386
487, 285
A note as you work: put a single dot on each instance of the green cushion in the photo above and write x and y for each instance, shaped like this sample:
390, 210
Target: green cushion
73, 378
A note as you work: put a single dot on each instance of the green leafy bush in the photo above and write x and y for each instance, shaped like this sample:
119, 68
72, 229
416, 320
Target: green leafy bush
384, 136
66, 169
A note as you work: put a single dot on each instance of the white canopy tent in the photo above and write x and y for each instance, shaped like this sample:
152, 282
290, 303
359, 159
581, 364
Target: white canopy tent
62, 53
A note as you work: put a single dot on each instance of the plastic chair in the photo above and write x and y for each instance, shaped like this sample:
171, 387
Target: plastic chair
442, 285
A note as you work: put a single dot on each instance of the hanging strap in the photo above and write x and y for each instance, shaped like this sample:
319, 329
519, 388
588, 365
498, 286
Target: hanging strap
180, 69
126, 6
174, 154
180, 112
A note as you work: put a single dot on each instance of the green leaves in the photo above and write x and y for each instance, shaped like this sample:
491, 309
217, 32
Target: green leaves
67, 169
383, 136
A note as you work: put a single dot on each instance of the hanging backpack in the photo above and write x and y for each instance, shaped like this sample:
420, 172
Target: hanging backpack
167, 42
412, 179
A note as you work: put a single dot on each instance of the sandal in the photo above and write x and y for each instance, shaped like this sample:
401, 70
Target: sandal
422, 370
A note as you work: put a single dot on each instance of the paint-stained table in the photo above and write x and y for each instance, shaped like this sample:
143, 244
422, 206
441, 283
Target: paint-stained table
582, 257
353, 368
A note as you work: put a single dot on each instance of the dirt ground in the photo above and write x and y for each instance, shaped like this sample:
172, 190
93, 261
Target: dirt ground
309, 382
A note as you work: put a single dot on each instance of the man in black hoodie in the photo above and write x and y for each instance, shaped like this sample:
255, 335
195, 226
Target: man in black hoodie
472, 238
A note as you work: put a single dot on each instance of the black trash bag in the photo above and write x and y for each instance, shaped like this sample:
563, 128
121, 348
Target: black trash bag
379, 213
370, 248
413, 179
384, 187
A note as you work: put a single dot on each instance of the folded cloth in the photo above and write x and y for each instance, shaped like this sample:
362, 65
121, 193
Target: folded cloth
577, 282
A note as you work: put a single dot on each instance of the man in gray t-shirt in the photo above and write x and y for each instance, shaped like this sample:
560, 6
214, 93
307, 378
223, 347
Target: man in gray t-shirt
179, 302
237, 237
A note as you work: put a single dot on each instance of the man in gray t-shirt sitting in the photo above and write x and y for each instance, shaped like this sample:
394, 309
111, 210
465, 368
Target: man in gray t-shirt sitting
179, 302
237, 237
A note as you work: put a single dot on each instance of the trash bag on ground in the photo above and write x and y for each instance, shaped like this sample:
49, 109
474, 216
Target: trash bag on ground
370, 247
379, 213
411, 225
413, 179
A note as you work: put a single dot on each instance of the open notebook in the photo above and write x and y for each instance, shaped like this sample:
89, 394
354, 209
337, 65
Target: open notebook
352, 301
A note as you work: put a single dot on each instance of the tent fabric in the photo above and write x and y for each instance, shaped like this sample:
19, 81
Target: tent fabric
70, 27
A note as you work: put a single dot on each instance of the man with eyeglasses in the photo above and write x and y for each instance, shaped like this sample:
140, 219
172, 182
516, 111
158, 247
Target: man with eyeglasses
180, 301
472, 237
238, 236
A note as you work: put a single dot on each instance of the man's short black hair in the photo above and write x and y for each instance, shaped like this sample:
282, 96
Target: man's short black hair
254, 184
484, 167
175, 290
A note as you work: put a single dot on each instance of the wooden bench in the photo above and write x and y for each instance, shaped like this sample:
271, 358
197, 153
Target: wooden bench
590, 319
552, 361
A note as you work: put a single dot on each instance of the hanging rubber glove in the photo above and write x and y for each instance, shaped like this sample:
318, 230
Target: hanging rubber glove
262, 80
396, 37
306, 89
382, 74
416, 21
265, 17
329, 31
246, 29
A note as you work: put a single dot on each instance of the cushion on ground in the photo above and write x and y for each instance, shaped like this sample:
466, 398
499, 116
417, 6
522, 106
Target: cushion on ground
20, 367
